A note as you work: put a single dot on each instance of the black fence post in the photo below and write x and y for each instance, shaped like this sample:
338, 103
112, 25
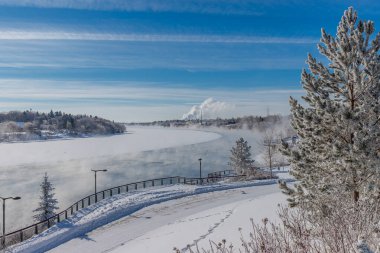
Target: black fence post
89, 201
153, 182
82, 203
144, 184
58, 218
111, 192
135, 186
118, 190
171, 180
36, 229
48, 223
65, 214
126, 188
21, 236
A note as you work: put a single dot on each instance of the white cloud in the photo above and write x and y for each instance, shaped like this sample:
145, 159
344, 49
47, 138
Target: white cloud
202, 6
137, 101
209, 108
67, 35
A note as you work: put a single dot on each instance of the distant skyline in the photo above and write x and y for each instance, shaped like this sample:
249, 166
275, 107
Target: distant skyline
145, 60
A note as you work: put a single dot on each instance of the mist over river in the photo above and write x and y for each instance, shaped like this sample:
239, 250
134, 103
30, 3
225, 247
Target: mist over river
142, 153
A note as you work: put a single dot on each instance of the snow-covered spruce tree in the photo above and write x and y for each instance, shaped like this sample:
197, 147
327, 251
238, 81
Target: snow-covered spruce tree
339, 128
240, 159
48, 204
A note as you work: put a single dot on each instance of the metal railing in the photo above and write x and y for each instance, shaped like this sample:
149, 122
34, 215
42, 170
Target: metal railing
34, 229
223, 173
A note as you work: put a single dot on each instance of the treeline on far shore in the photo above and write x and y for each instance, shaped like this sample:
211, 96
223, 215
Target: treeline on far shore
260, 123
34, 125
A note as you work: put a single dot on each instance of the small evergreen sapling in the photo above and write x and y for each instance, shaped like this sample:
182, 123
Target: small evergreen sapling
48, 204
240, 159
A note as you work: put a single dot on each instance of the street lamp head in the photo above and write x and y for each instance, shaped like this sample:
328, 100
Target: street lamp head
16, 198
200, 159
98, 170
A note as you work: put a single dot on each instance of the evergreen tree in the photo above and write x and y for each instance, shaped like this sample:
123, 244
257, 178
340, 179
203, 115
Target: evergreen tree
48, 204
339, 128
240, 159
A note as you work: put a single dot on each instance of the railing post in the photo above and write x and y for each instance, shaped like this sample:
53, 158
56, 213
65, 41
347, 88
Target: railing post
171, 180
36, 229
162, 182
153, 182
111, 193
103, 194
48, 223
82, 203
58, 218
21, 236
66, 214
72, 210
118, 190
135, 186
126, 188
144, 184
89, 200
76, 206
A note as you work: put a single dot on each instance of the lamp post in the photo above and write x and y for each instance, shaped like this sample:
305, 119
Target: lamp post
200, 170
4, 199
95, 171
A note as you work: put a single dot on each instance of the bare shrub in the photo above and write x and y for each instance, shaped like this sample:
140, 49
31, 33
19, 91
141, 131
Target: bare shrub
349, 228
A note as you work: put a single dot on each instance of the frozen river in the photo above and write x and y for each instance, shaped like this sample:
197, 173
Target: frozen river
143, 153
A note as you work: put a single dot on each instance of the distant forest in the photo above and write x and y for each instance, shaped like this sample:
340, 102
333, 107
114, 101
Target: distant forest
260, 123
32, 125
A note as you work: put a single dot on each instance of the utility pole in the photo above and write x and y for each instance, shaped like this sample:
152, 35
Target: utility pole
200, 170
270, 145
201, 116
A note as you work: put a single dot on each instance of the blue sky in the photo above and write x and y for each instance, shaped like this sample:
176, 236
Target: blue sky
142, 60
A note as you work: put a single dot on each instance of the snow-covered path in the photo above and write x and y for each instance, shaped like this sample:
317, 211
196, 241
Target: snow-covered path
198, 218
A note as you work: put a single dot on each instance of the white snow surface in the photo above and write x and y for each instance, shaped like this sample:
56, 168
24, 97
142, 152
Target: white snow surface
156, 219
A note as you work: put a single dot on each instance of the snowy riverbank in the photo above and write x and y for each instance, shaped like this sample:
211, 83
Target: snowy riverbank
126, 205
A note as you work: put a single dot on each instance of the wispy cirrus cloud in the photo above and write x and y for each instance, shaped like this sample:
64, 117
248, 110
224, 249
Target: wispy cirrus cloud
180, 38
242, 7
